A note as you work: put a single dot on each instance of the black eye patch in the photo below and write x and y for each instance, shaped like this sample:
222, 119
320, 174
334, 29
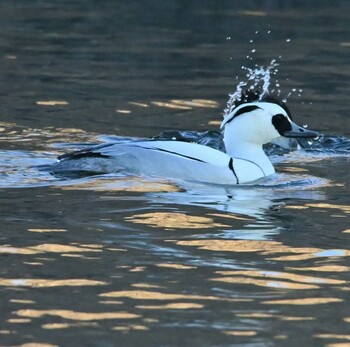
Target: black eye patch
281, 123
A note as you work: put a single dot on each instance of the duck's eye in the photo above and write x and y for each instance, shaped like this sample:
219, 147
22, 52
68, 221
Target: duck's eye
281, 123
278, 117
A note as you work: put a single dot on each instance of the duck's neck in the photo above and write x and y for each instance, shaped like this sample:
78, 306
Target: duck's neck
251, 152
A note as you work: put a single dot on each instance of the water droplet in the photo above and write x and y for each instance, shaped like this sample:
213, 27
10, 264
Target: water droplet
251, 41
257, 32
269, 31
284, 100
253, 51
288, 40
228, 38
300, 90
294, 90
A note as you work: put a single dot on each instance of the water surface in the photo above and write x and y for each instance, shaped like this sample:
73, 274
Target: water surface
114, 260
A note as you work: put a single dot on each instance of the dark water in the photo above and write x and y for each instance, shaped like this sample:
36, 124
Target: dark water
125, 261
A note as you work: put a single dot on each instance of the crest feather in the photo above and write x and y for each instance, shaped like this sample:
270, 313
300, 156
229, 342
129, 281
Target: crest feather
250, 95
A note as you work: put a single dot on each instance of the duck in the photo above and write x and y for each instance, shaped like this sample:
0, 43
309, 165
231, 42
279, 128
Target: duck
250, 123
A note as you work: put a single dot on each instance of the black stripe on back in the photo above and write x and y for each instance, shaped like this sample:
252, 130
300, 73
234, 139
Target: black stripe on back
243, 110
92, 152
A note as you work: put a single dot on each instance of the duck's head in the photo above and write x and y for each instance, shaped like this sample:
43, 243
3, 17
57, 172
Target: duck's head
260, 122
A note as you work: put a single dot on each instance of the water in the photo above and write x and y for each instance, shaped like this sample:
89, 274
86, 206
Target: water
114, 260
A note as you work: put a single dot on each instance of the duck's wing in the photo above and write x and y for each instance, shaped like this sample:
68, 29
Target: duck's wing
176, 149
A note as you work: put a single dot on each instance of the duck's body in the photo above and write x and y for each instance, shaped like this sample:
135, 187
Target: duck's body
246, 129
172, 159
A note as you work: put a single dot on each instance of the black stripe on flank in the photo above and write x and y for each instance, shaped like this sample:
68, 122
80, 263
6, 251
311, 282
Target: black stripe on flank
243, 110
230, 166
178, 154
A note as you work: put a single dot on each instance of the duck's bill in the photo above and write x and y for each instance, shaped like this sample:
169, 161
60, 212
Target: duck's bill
300, 132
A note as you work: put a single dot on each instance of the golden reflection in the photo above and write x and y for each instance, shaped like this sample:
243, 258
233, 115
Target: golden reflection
123, 111
252, 13
293, 169
138, 104
230, 216
137, 269
130, 327
297, 207
257, 315
177, 266
292, 318
19, 320
47, 230
264, 248
20, 301
174, 220
215, 122
280, 337
151, 295
49, 248
15, 250
6, 332
58, 248
186, 104
170, 105
347, 320
240, 332
74, 315
172, 306
32, 263
333, 336
322, 268
343, 208
302, 301
346, 231
52, 103
35, 344
116, 249
40, 283
69, 325
196, 103
145, 285
284, 275
135, 185
150, 320
264, 283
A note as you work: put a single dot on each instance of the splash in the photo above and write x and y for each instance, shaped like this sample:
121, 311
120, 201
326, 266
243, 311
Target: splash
258, 77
